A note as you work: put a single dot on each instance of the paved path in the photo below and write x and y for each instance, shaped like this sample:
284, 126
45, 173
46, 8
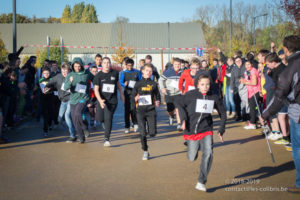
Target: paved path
33, 167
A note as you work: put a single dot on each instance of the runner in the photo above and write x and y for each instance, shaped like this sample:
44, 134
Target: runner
147, 96
106, 83
195, 108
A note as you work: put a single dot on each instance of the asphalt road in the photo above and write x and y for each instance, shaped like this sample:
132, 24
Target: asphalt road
34, 167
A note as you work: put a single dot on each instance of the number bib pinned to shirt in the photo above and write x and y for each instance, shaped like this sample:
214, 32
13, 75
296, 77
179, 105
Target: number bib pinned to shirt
204, 106
145, 100
42, 86
80, 88
131, 84
109, 88
63, 88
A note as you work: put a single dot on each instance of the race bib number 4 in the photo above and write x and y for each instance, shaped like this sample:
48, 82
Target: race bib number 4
131, 84
109, 88
204, 106
145, 100
80, 88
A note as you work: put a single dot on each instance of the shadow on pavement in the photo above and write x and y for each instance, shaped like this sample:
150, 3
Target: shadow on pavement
262, 172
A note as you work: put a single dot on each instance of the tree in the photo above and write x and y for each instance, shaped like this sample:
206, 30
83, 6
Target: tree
53, 20
122, 52
121, 19
66, 16
54, 53
292, 8
89, 14
77, 12
3, 51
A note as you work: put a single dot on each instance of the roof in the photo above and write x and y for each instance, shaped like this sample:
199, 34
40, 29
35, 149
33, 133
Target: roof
140, 35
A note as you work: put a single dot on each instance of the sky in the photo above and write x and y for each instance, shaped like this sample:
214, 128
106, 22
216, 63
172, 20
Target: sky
138, 11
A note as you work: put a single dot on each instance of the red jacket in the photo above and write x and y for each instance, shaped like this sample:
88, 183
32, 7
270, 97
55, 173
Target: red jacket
221, 73
187, 79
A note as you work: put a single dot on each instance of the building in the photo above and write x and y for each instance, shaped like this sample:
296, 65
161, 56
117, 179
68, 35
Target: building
108, 36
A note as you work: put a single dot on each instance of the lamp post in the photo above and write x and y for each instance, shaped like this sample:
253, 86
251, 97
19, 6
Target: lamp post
254, 18
14, 27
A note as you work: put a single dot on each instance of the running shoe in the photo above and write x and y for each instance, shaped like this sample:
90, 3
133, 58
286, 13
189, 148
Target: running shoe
146, 155
201, 187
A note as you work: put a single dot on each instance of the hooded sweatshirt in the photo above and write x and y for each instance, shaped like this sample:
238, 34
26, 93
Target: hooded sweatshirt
80, 85
58, 82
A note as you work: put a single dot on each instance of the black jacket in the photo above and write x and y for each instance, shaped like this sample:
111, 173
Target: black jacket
199, 122
146, 87
288, 87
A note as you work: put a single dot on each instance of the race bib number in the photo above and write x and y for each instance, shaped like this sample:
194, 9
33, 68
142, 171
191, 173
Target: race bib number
191, 88
55, 93
92, 86
109, 88
145, 100
174, 83
204, 106
63, 88
131, 84
42, 86
80, 88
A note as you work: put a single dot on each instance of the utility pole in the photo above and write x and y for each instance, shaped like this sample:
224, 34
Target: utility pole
230, 24
14, 27
254, 18
169, 41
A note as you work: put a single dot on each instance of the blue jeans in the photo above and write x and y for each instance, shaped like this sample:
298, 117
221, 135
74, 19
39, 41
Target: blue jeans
206, 146
65, 109
229, 100
295, 139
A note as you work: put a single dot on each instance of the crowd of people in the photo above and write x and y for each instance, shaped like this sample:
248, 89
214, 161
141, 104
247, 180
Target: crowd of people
236, 87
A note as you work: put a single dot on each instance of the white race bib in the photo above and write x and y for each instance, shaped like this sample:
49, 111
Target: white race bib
204, 106
109, 88
174, 84
42, 86
80, 88
55, 93
131, 84
191, 88
63, 88
92, 85
145, 100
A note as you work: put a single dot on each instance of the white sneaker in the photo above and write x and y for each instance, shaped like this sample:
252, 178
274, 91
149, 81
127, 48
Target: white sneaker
106, 144
249, 126
271, 136
136, 128
277, 136
201, 187
126, 130
146, 155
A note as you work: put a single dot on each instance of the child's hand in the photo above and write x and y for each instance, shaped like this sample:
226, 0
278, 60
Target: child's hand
89, 105
71, 79
137, 98
221, 137
183, 125
45, 90
157, 103
102, 104
126, 83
